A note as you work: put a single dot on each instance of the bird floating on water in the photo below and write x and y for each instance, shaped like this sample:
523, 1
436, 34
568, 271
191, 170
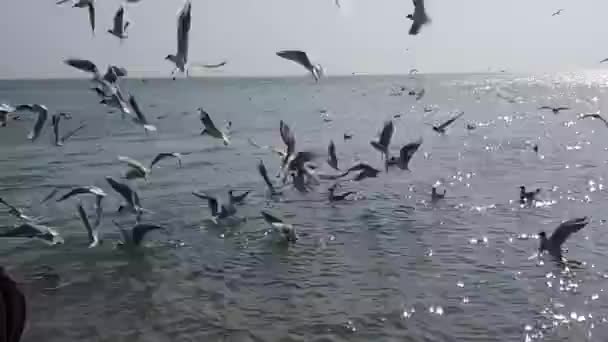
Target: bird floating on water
286, 230
527, 196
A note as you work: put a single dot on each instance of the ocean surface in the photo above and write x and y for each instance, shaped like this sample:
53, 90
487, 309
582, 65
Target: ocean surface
389, 265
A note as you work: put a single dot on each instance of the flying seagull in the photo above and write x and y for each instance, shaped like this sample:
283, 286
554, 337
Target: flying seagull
219, 211
43, 114
332, 159
419, 17
136, 169
34, 231
558, 12
140, 118
237, 198
119, 29
162, 156
210, 128
88, 190
405, 155
184, 20
553, 244
384, 140
214, 66
90, 4
331, 192
133, 237
301, 58
287, 231
92, 232
366, 171
130, 196
527, 197
555, 110
441, 128
593, 116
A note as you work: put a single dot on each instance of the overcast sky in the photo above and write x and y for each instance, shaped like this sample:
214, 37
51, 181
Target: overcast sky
365, 36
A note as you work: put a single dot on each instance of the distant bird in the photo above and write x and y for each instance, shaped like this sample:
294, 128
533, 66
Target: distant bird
43, 114
553, 244
264, 173
527, 197
286, 230
162, 156
140, 118
441, 128
419, 17
384, 140
136, 168
119, 29
555, 110
593, 116
13, 309
405, 155
214, 66
471, 126
5, 110
210, 128
130, 196
558, 12
301, 58
332, 159
31, 230
336, 198
92, 232
219, 211
365, 171
604, 60
133, 237
347, 136
90, 4
184, 21
235, 199
18, 213
435, 196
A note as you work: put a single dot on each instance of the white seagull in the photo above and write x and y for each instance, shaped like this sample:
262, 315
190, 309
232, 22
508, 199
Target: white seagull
210, 128
120, 24
301, 58
184, 20
136, 169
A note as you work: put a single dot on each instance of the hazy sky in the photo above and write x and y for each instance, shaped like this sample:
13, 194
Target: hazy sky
366, 36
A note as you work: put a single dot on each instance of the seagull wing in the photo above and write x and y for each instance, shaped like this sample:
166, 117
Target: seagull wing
160, 157
91, 6
332, 159
387, 133
213, 66
545, 107
87, 225
74, 192
119, 20
124, 190
40, 121
288, 137
141, 118
562, 108
297, 56
183, 30
450, 121
82, 65
407, 152
270, 219
139, 232
264, 174
604, 60
208, 123
564, 230
134, 164
212, 202
71, 133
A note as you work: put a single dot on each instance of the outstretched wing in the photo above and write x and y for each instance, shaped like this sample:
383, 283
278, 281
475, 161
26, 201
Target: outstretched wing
387, 133
288, 137
183, 30
212, 202
264, 174
139, 232
82, 65
450, 121
297, 56
564, 230
270, 219
119, 19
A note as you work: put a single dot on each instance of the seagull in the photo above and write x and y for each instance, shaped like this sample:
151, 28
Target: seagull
71, 133
419, 17
108, 90
341, 197
120, 24
85, 190
93, 233
338, 3
43, 114
366, 171
384, 140
132, 199
593, 116
558, 12
18, 213
5, 110
136, 169
90, 4
219, 211
183, 36
55, 119
441, 128
289, 140
555, 110
604, 60
405, 155
214, 66
435, 196
237, 198
140, 118
134, 236
162, 156
210, 128
287, 231
527, 197
49, 196
264, 173
301, 58
332, 160
553, 244
34, 231
347, 136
